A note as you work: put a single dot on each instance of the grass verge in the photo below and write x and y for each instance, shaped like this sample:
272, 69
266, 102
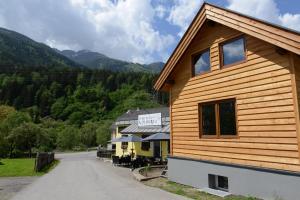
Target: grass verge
22, 167
188, 191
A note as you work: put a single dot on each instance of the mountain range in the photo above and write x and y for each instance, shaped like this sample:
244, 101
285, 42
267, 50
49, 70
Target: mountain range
97, 60
17, 50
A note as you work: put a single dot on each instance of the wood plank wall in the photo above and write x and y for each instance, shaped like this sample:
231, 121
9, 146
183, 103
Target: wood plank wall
267, 135
296, 64
297, 75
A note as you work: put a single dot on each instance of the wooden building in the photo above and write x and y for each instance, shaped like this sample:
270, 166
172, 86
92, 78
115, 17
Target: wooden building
234, 85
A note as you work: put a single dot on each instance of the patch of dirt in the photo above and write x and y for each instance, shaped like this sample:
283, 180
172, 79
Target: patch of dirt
152, 172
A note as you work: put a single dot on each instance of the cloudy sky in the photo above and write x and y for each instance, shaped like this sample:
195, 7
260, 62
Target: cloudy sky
135, 30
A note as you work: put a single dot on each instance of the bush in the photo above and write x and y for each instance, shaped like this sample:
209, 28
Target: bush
68, 137
88, 134
103, 132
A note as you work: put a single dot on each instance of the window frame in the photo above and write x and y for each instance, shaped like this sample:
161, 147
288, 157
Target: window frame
194, 55
221, 55
124, 145
218, 187
217, 119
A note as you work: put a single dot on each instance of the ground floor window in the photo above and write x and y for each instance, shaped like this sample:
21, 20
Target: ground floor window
124, 145
218, 182
145, 146
218, 118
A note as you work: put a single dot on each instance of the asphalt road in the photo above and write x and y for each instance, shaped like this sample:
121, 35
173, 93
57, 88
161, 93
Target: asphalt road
80, 176
12, 185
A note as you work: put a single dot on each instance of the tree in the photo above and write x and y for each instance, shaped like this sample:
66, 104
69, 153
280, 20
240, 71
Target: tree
139, 99
34, 113
50, 128
26, 136
88, 134
12, 121
5, 111
68, 137
103, 132
58, 107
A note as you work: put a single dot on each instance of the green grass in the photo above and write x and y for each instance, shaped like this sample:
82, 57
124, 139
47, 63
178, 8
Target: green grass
21, 167
188, 191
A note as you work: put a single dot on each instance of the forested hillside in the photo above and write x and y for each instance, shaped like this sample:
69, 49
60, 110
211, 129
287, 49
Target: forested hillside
60, 92
48, 101
17, 50
62, 108
99, 61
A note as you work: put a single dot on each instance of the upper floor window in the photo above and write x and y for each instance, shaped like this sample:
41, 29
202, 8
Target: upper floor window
217, 118
201, 62
233, 51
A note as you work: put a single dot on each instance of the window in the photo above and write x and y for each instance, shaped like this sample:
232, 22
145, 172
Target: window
145, 146
233, 51
218, 182
208, 119
227, 117
201, 63
222, 183
217, 118
124, 145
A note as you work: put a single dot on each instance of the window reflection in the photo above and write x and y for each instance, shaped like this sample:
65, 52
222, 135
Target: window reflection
233, 51
202, 63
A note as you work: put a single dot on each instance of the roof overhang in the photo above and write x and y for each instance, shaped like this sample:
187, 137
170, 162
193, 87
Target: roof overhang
282, 37
135, 129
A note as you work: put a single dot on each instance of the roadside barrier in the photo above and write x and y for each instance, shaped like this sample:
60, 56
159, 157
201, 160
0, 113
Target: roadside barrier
42, 160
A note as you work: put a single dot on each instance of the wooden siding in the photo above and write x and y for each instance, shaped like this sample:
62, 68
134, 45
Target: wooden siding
262, 86
281, 37
295, 61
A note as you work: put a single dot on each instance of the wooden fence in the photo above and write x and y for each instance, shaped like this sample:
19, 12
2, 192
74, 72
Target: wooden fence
42, 160
104, 153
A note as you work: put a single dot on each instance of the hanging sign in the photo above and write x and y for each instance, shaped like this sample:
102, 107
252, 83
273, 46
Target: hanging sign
149, 119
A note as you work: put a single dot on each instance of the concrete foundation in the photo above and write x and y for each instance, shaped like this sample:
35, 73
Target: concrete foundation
242, 180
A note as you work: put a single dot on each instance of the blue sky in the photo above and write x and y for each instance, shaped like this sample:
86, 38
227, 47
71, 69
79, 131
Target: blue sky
135, 30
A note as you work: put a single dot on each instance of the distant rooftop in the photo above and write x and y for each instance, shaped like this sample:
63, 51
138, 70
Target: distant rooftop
133, 114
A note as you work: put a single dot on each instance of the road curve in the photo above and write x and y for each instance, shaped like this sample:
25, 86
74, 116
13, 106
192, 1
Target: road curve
80, 176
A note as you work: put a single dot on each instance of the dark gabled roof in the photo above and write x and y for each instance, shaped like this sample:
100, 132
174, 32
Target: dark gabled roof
277, 35
133, 114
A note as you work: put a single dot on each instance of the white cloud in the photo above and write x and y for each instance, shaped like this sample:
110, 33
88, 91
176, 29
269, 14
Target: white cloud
118, 28
182, 13
161, 11
290, 20
266, 10
126, 28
